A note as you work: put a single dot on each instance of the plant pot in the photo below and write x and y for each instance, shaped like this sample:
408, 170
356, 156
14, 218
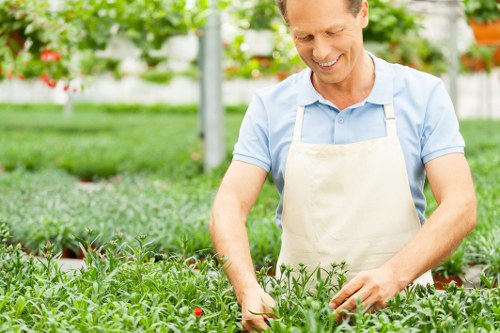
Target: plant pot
260, 42
182, 47
486, 33
496, 57
473, 64
441, 281
119, 48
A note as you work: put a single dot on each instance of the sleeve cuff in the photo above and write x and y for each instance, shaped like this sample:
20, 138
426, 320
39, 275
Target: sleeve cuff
429, 157
253, 161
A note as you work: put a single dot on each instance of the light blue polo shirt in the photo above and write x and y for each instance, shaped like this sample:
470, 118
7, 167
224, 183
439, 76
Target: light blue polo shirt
426, 122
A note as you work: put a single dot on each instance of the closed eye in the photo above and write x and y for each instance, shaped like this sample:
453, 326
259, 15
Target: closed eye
333, 33
304, 38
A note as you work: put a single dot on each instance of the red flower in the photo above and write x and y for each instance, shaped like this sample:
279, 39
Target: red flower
49, 55
48, 80
10, 75
21, 76
198, 312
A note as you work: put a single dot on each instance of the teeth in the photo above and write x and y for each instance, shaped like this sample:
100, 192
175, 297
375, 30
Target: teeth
326, 64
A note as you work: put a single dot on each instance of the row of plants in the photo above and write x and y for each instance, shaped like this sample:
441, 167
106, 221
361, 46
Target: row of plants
128, 286
146, 174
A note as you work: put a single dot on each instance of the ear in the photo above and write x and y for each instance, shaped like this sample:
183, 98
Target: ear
363, 14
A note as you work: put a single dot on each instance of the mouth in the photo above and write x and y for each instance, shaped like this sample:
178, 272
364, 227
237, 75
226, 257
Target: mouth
328, 64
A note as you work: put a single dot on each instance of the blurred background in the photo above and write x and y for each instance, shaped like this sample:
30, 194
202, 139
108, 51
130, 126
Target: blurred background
148, 52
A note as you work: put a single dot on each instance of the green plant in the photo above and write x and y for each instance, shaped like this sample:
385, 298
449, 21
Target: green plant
482, 11
256, 14
129, 286
34, 41
158, 77
389, 22
416, 52
478, 58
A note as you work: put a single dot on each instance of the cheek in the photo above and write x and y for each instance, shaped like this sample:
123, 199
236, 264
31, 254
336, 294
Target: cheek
303, 50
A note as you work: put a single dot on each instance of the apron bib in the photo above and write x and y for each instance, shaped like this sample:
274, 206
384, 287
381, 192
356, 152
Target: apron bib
347, 202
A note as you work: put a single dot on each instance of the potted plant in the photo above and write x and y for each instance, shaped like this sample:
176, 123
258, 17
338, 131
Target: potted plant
257, 18
484, 19
478, 58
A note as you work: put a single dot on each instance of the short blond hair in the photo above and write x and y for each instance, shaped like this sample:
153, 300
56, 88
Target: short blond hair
353, 7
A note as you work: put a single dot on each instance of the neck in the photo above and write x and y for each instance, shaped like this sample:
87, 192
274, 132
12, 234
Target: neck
353, 89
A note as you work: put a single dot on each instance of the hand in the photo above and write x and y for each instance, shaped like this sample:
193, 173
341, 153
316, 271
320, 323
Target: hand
371, 288
256, 308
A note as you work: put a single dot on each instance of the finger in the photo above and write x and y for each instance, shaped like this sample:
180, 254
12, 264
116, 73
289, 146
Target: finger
345, 293
254, 324
369, 307
352, 303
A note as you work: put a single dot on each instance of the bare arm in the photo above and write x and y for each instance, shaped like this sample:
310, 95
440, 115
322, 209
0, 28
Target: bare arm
451, 183
452, 186
236, 196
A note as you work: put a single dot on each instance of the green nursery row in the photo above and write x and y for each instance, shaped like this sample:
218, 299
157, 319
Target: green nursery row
130, 287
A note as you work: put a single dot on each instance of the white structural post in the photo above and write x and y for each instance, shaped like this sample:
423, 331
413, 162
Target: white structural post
212, 117
454, 7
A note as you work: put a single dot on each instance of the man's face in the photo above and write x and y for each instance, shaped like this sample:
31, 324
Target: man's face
328, 38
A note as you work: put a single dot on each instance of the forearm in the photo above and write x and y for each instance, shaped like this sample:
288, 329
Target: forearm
230, 240
454, 218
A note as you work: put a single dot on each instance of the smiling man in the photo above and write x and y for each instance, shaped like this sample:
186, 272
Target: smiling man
349, 142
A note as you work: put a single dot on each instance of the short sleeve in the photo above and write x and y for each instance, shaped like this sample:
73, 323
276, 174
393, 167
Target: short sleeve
253, 141
441, 133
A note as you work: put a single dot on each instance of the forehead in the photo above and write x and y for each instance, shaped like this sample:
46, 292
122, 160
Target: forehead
305, 15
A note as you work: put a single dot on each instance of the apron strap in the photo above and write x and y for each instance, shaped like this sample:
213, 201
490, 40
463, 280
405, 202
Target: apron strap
297, 131
390, 120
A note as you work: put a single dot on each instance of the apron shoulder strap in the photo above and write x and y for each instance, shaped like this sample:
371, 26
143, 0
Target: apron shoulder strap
390, 120
297, 131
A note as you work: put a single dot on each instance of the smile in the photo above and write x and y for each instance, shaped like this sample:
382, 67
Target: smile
328, 64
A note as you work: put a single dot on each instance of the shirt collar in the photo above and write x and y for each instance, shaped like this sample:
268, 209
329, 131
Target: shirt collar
382, 92
307, 94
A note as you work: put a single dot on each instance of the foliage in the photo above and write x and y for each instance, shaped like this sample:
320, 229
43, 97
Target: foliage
478, 58
30, 27
29, 32
482, 11
256, 14
415, 52
146, 23
389, 23
282, 62
129, 286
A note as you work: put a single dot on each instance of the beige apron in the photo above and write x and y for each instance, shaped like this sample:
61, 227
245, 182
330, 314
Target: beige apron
347, 202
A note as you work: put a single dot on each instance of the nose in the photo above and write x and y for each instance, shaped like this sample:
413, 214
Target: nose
321, 49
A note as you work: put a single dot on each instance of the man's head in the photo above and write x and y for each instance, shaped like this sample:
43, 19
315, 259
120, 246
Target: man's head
328, 35
353, 7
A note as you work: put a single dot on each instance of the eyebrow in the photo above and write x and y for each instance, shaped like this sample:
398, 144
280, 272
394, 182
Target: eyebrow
332, 27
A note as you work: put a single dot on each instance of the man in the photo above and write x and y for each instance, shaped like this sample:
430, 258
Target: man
349, 141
